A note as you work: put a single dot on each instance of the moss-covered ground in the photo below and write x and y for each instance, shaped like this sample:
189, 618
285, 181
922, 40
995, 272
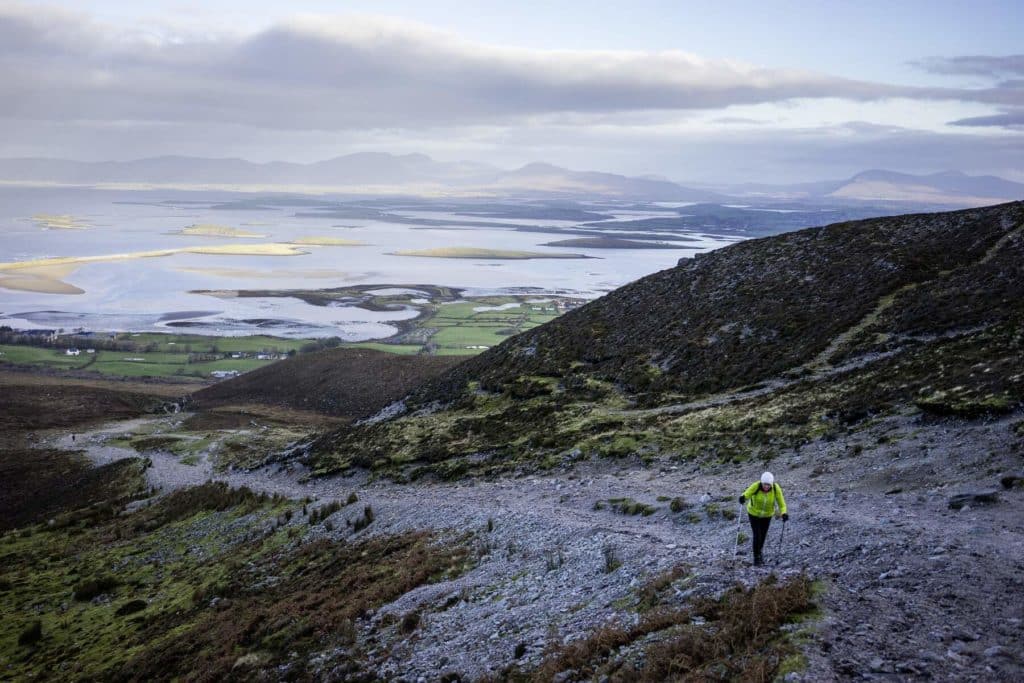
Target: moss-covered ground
536, 422
206, 583
742, 636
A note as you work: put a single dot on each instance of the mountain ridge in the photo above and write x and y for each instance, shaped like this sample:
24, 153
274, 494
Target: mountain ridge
416, 173
951, 188
394, 174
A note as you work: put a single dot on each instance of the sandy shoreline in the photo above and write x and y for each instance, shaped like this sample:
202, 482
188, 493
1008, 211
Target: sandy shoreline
47, 275
213, 230
319, 241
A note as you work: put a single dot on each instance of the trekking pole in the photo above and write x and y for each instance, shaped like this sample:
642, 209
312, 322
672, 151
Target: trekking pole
778, 549
736, 537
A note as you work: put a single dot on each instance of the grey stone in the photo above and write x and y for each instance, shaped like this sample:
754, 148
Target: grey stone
1010, 480
976, 498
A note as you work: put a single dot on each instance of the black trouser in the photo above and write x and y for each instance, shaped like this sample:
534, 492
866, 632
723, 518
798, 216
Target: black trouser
759, 527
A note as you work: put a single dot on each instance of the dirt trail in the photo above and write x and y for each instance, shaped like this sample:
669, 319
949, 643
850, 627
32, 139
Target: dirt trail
915, 590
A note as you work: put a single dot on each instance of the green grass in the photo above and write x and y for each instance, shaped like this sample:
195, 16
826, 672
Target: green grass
165, 365
31, 355
131, 369
459, 329
401, 349
457, 351
200, 580
459, 326
176, 343
463, 336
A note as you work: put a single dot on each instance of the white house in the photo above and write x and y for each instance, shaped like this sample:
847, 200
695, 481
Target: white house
72, 352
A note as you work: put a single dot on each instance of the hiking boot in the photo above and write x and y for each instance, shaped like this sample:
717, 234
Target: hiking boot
758, 561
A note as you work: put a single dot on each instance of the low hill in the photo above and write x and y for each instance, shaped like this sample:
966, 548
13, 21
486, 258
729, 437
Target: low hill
350, 383
948, 187
799, 334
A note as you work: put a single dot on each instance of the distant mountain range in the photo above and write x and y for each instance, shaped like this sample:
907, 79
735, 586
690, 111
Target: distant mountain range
417, 174
948, 187
371, 172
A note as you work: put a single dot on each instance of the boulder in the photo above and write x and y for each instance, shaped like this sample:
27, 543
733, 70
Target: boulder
1010, 481
978, 498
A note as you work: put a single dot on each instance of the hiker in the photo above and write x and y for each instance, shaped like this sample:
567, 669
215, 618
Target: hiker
762, 499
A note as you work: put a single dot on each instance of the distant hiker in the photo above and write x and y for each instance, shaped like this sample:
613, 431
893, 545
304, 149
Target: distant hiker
762, 499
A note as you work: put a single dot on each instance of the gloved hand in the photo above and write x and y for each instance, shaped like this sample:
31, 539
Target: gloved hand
785, 517
743, 499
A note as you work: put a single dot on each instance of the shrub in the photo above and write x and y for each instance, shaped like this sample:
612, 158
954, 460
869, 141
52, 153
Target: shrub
409, 623
87, 590
131, 607
650, 593
741, 641
32, 634
323, 512
364, 521
628, 506
553, 559
611, 559
183, 503
352, 498
677, 505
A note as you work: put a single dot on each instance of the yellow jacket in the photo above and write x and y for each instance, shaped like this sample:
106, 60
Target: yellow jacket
761, 504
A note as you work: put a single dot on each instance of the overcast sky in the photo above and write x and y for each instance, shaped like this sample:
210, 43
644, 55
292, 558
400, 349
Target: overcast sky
693, 91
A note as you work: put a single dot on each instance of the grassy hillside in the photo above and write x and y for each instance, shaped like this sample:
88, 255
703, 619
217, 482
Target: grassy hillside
763, 344
343, 382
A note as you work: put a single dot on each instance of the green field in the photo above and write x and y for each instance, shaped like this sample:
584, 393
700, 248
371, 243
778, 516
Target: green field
452, 328
460, 327
401, 349
181, 343
31, 355
118, 362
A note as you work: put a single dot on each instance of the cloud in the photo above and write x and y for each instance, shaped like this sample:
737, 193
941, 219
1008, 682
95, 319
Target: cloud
739, 120
1013, 118
364, 73
973, 65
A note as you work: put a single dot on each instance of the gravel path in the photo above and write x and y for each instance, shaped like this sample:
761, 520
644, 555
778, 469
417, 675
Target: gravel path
914, 589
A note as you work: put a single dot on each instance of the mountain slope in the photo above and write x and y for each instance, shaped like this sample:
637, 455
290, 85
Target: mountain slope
797, 334
350, 383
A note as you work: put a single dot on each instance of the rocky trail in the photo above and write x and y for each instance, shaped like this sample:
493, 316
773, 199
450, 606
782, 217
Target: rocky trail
913, 589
